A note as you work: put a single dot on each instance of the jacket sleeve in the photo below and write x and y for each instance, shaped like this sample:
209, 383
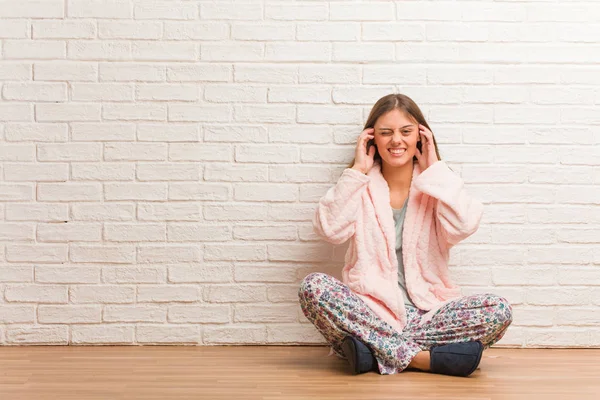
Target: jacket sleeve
458, 213
335, 215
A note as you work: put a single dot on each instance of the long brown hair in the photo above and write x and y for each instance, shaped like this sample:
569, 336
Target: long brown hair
391, 102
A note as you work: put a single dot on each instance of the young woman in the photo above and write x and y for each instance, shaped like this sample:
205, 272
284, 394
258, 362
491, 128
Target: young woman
403, 208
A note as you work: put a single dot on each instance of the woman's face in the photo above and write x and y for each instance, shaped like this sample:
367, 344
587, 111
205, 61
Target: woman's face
396, 135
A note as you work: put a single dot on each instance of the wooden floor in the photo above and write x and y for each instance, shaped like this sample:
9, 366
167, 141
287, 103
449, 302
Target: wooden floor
274, 372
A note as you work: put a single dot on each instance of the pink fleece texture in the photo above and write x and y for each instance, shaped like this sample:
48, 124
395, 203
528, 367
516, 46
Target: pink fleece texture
439, 215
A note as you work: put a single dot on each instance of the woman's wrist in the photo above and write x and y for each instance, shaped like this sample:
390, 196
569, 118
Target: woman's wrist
358, 169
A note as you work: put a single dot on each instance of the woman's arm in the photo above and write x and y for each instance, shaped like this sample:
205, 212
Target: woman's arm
336, 212
458, 213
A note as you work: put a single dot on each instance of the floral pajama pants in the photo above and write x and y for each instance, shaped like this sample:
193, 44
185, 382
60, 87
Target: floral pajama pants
337, 312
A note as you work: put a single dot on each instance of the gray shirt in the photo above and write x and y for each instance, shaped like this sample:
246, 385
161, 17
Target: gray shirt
399, 215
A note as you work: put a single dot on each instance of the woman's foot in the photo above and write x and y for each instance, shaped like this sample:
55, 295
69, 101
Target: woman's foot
458, 359
359, 356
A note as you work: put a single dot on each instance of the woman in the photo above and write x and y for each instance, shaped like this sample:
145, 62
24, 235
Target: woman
403, 208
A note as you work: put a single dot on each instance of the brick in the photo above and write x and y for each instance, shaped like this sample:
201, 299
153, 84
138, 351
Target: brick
359, 95
16, 274
32, 9
102, 172
199, 113
199, 152
135, 313
14, 29
313, 95
38, 132
17, 314
104, 131
198, 73
102, 212
169, 212
168, 294
264, 31
282, 293
524, 276
65, 71
558, 296
337, 31
234, 252
16, 192
166, 10
170, 132
70, 191
304, 52
15, 71
132, 274
326, 115
29, 172
235, 334
168, 172
70, 314
235, 293
233, 52
262, 313
232, 173
112, 9
295, 12
168, 334
266, 73
102, 334
47, 274
122, 232
298, 252
101, 92
198, 191
197, 232
16, 112
37, 212
235, 212
63, 29
167, 92
265, 192
137, 72
55, 335
239, 94
35, 49
17, 152
231, 11
235, 133
168, 254
135, 191
196, 30
129, 30
35, 91
36, 253
201, 273
266, 153
135, 151
164, 51
68, 232
294, 333
82, 294
67, 112
102, 253
36, 293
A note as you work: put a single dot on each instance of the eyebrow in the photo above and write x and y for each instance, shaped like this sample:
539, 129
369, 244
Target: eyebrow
405, 126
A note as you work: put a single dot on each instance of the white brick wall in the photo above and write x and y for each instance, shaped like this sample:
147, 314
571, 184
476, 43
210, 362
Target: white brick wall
160, 161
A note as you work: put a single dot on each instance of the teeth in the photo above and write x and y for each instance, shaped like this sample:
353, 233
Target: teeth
396, 151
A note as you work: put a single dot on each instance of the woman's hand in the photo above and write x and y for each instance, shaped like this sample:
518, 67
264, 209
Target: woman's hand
428, 156
363, 161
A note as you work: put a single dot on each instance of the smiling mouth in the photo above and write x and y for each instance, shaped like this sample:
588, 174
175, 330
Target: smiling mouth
397, 152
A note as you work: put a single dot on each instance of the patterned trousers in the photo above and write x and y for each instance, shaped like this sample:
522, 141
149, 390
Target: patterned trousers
337, 312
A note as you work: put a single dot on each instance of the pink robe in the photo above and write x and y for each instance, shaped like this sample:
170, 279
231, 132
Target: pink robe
439, 215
